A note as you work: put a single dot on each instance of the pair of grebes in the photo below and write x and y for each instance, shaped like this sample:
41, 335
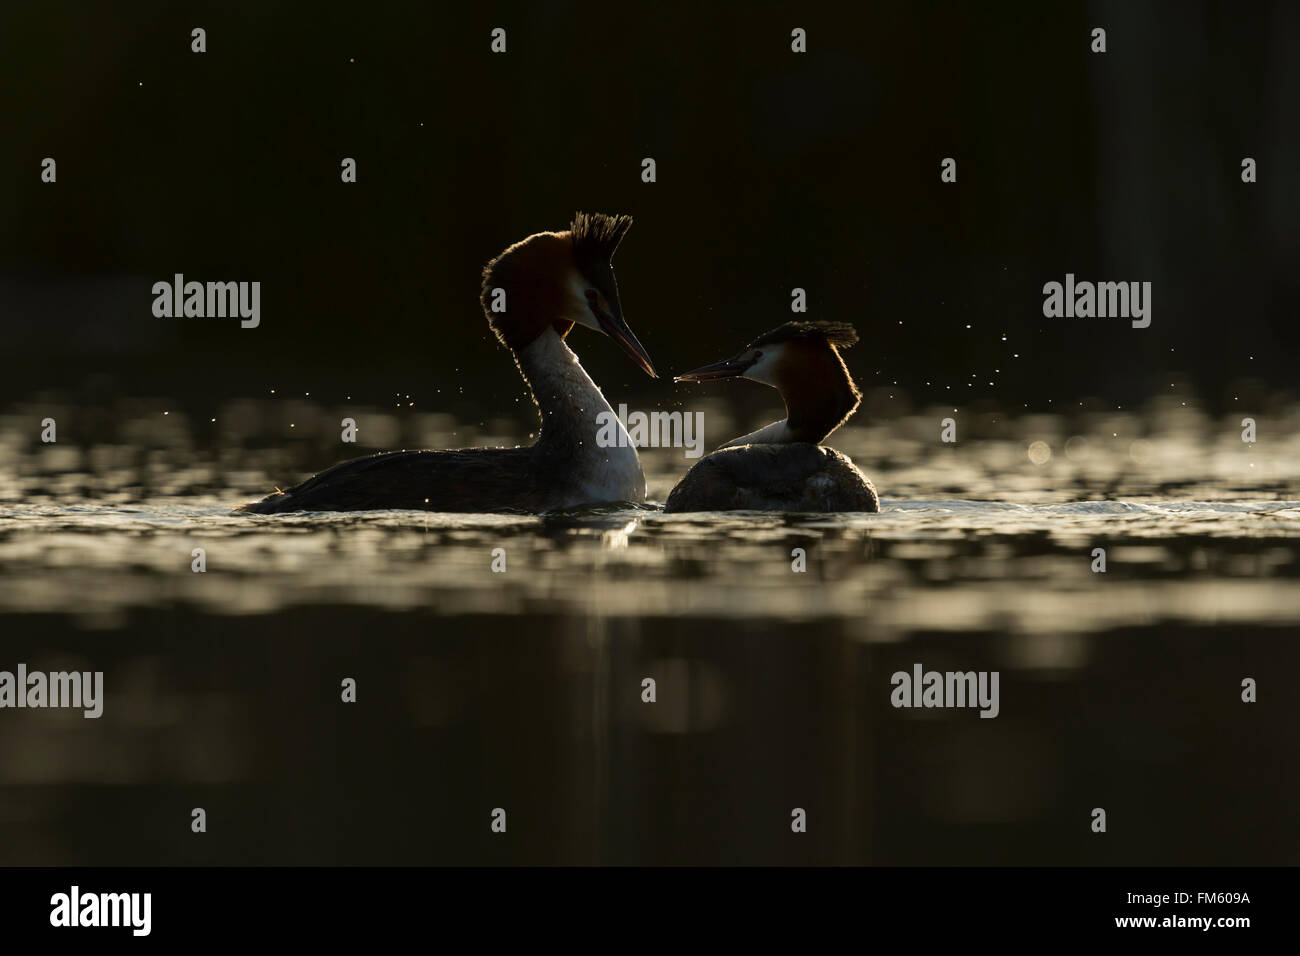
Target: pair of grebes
552, 282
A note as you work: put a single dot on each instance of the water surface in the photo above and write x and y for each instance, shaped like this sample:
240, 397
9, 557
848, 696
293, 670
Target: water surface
523, 689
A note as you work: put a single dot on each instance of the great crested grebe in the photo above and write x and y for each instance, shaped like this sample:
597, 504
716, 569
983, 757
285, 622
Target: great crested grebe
781, 467
551, 281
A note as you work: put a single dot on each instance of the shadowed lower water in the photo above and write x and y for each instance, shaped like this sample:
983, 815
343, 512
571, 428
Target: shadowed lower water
771, 641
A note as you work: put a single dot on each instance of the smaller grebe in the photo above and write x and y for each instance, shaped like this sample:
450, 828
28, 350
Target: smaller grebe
551, 281
782, 467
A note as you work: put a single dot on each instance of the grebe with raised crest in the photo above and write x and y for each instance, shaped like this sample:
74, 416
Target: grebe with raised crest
551, 282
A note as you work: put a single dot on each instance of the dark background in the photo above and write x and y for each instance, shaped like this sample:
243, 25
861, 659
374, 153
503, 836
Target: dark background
775, 170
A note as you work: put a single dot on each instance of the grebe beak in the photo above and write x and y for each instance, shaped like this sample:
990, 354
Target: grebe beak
727, 368
617, 329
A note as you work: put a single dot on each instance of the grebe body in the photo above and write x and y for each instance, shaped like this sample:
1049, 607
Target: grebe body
545, 285
783, 466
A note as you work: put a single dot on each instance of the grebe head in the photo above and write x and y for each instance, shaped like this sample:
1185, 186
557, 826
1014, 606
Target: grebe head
558, 280
802, 361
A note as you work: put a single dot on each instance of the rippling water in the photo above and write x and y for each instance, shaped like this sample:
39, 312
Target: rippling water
522, 689
1018, 567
